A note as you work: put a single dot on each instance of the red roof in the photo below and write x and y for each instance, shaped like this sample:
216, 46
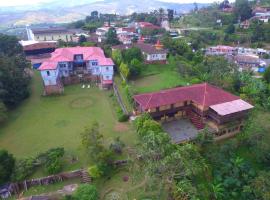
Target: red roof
203, 94
67, 55
148, 25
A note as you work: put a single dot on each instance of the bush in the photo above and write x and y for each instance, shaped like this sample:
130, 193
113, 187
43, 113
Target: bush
23, 169
7, 163
123, 118
86, 192
94, 171
117, 145
52, 160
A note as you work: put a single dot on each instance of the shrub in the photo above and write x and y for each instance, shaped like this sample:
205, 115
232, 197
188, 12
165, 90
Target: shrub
86, 192
52, 160
7, 163
23, 169
117, 145
122, 117
94, 171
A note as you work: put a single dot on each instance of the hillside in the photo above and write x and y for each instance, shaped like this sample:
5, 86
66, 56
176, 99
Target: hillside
59, 11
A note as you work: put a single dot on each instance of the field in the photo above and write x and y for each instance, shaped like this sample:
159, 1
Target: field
41, 122
156, 77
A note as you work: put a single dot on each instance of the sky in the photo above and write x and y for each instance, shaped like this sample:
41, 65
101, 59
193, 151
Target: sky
31, 2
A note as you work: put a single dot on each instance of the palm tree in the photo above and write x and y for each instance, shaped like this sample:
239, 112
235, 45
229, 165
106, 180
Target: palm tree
218, 190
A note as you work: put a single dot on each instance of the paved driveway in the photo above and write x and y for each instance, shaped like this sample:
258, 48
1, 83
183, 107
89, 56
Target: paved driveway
180, 130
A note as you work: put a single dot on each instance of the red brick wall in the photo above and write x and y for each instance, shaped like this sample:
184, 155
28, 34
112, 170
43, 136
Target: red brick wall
53, 89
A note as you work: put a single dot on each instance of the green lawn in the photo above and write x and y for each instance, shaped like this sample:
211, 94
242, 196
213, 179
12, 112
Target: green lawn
41, 122
156, 77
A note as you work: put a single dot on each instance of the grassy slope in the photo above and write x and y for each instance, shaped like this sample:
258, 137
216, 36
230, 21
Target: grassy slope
41, 123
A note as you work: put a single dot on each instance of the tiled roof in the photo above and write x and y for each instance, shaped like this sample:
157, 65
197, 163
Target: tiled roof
48, 65
52, 31
203, 94
146, 48
67, 55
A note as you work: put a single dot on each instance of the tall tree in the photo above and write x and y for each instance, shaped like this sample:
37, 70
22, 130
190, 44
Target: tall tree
112, 37
243, 9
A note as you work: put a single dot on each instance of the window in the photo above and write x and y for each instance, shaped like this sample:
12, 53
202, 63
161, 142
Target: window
107, 68
62, 65
48, 73
107, 77
94, 63
78, 57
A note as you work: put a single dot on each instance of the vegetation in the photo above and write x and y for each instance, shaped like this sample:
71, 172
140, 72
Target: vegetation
7, 163
86, 192
41, 123
14, 78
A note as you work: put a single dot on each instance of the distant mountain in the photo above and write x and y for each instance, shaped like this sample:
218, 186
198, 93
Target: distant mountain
62, 11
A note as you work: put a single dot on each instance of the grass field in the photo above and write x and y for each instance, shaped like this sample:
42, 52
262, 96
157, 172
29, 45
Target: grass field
156, 77
41, 123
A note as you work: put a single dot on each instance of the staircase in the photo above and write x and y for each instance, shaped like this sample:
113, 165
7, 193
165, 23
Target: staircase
195, 119
85, 178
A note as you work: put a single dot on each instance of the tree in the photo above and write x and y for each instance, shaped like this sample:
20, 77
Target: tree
94, 14
217, 190
195, 7
92, 141
135, 67
132, 53
53, 162
266, 75
112, 37
184, 190
151, 19
7, 163
117, 57
261, 184
124, 70
86, 192
230, 29
3, 112
170, 14
23, 169
14, 79
82, 39
243, 9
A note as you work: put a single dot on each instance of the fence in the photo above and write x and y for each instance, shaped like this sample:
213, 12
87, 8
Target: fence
119, 99
15, 188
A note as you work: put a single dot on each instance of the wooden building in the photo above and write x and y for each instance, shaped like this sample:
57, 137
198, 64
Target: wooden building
203, 104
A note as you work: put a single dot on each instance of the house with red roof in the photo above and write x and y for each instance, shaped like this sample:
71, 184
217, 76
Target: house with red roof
203, 104
75, 64
152, 53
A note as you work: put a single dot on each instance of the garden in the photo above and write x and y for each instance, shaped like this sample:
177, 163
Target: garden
41, 123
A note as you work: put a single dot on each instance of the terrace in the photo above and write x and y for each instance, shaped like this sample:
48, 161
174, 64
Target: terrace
180, 130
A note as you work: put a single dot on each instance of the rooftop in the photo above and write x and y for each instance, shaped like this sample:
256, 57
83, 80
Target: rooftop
203, 94
146, 48
231, 107
67, 55
51, 30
